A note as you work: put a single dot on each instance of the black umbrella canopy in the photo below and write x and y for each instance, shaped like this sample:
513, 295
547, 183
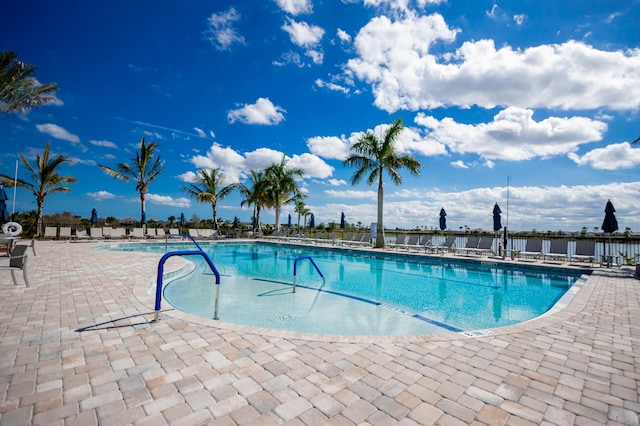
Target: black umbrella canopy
312, 221
289, 221
143, 219
497, 221
94, 216
236, 221
182, 221
443, 219
610, 223
342, 221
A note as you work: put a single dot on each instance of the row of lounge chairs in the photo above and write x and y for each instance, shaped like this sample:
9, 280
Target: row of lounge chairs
106, 232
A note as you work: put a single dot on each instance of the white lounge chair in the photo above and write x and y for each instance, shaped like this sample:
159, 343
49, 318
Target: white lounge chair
65, 232
585, 251
137, 233
51, 232
96, 233
472, 244
81, 234
533, 249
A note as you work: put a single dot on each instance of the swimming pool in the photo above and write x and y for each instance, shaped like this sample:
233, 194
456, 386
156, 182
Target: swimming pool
362, 293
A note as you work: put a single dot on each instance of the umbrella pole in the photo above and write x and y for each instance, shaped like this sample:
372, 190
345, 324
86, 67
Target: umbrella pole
15, 182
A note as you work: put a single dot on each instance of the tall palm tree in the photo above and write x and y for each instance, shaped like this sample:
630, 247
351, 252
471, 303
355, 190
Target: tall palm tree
208, 188
255, 195
143, 169
302, 210
46, 179
282, 185
19, 91
373, 157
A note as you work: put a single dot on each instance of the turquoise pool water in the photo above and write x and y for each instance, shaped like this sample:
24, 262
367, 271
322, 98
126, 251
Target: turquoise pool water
362, 293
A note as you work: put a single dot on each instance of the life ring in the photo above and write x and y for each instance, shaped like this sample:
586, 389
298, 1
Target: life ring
12, 228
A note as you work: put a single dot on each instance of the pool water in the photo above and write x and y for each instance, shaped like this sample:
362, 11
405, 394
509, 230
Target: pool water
362, 293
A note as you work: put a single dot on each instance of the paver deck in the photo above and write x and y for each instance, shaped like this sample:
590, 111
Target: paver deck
78, 347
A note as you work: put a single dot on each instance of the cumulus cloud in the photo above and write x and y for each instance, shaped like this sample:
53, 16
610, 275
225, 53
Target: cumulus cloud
100, 195
221, 32
395, 59
514, 135
332, 147
343, 36
295, 7
352, 193
306, 36
236, 166
104, 143
332, 86
57, 132
200, 132
611, 157
262, 112
165, 200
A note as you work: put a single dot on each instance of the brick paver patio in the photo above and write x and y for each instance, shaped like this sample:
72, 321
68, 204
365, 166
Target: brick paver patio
77, 347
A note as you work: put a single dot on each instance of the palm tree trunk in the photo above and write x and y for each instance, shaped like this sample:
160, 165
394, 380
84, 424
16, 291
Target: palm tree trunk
215, 218
277, 216
142, 209
380, 227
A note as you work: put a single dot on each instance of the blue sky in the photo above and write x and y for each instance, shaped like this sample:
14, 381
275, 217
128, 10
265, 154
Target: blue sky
534, 102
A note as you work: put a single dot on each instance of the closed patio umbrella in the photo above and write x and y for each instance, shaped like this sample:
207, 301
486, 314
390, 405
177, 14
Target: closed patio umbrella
289, 221
610, 223
312, 221
443, 219
94, 216
342, 221
3, 205
497, 222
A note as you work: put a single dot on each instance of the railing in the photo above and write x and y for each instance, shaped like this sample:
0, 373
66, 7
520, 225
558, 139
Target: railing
295, 268
198, 252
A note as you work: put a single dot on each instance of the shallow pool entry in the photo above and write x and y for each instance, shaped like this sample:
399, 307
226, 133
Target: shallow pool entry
364, 293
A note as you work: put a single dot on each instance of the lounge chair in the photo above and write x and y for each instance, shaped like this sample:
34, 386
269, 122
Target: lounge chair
349, 237
96, 233
137, 233
472, 244
107, 232
50, 232
81, 234
400, 239
65, 232
17, 261
426, 242
585, 251
150, 233
175, 233
412, 242
484, 247
449, 244
194, 233
557, 250
118, 233
160, 233
532, 249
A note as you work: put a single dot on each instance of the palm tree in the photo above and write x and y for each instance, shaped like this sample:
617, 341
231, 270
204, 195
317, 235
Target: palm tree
282, 185
46, 179
255, 195
19, 91
143, 170
302, 210
208, 188
372, 157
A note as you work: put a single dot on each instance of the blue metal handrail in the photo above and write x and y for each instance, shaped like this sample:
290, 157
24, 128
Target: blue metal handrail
198, 252
295, 265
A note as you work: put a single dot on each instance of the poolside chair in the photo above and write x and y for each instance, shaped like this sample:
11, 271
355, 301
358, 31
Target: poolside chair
557, 250
472, 244
160, 233
400, 239
412, 242
137, 233
426, 242
107, 232
50, 232
81, 234
585, 251
484, 247
96, 233
118, 233
174, 233
449, 245
150, 233
65, 232
17, 261
533, 249
194, 233
349, 237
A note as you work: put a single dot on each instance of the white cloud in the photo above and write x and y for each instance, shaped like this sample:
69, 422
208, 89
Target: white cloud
221, 32
514, 135
352, 193
303, 34
331, 147
395, 58
101, 195
57, 132
295, 7
611, 157
104, 143
165, 200
331, 86
200, 132
337, 182
343, 35
519, 19
262, 112
459, 164
312, 165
